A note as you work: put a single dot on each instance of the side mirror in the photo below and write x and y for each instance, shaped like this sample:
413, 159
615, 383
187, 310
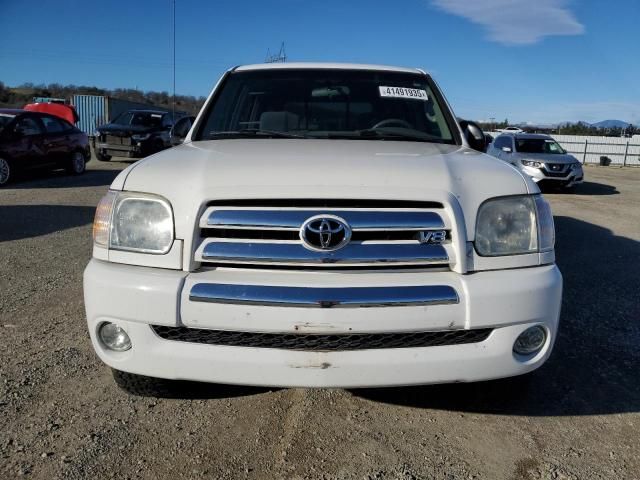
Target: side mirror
174, 138
506, 149
179, 131
474, 135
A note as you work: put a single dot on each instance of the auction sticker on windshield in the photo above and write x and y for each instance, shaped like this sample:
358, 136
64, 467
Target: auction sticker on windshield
402, 92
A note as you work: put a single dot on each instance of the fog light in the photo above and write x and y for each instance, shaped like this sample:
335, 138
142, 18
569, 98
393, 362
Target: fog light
530, 341
114, 337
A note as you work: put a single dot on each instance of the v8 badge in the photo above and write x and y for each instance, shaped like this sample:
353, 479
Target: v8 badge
433, 236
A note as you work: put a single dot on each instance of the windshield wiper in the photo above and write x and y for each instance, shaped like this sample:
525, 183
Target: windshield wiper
396, 135
253, 133
375, 134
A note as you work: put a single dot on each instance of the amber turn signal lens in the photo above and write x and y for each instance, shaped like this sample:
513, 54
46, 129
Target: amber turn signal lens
102, 220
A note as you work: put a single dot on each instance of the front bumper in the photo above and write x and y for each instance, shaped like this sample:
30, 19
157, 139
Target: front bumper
573, 176
132, 151
507, 301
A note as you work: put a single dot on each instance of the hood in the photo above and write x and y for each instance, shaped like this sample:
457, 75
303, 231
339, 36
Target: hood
194, 173
548, 158
124, 130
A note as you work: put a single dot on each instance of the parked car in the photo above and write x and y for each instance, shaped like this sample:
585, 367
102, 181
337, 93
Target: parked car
512, 130
134, 134
540, 157
61, 110
323, 225
488, 141
32, 140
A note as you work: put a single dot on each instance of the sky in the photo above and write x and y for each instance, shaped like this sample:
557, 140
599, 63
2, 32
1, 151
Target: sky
539, 61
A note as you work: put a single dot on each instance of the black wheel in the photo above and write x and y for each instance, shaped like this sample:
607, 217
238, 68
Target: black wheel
103, 157
144, 386
5, 172
76, 165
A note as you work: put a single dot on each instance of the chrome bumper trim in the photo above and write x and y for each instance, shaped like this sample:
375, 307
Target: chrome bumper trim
352, 254
330, 297
293, 219
112, 146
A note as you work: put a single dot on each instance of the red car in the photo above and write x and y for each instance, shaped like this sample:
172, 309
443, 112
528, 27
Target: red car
66, 112
33, 140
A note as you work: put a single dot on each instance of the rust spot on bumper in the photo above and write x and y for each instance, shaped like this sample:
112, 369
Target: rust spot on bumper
320, 366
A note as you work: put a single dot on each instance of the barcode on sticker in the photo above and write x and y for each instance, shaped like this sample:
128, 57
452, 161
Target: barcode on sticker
402, 92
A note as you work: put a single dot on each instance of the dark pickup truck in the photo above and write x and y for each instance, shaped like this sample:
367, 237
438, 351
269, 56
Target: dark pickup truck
134, 134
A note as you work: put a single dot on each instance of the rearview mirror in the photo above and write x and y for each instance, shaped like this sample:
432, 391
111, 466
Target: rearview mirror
474, 135
330, 92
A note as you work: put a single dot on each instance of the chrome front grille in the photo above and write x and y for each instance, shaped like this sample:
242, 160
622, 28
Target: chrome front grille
379, 236
116, 140
559, 170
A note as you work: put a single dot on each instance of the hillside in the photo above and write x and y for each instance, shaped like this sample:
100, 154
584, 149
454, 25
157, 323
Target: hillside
611, 124
17, 97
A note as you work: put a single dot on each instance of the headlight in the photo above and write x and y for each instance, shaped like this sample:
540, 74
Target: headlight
514, 225
140, 136
531, 163
135, 222
576, 166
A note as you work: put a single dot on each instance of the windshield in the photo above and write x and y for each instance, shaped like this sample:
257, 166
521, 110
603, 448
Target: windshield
351, 104
5, 118
538, 145
139, 119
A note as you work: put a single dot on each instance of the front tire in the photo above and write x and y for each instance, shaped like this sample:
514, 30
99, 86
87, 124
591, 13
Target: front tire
5, 172
142, 386
77, 164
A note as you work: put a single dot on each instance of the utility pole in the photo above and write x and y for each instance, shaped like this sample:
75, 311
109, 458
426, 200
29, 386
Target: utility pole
173, 99
279, 57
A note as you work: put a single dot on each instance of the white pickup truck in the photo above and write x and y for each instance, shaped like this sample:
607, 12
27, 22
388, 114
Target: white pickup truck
323, 225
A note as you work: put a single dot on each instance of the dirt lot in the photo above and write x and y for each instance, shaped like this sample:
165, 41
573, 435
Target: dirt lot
61, 415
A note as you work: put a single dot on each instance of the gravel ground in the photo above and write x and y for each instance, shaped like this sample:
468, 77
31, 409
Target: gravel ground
61, 415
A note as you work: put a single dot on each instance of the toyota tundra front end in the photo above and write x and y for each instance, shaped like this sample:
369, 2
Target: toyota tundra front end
323, 225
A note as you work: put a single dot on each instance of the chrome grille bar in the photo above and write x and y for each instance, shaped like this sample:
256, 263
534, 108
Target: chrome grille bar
352, 254
293, 219
286, 296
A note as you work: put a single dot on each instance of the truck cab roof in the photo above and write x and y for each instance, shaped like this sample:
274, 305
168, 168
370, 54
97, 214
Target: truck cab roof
323, 65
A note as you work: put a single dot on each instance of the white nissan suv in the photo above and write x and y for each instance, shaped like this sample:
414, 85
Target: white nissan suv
323, 225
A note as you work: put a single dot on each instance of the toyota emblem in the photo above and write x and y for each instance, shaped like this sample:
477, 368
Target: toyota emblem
325, 233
